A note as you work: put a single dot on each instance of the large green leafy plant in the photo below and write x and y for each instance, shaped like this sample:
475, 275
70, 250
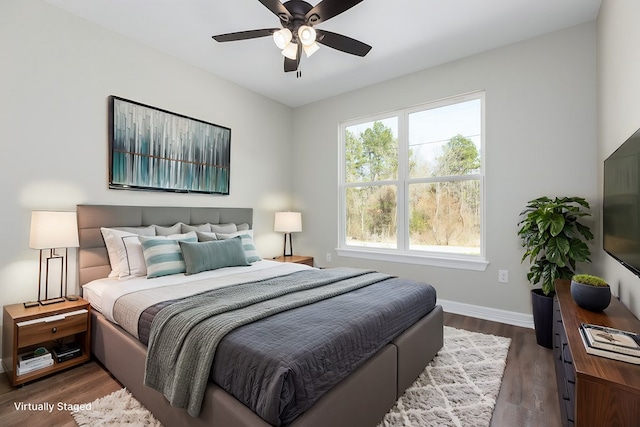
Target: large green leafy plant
554, 239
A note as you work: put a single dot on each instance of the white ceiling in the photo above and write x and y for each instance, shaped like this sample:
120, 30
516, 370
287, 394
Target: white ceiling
406, 35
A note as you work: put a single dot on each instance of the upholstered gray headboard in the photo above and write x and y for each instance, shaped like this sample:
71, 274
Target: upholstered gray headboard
93, 260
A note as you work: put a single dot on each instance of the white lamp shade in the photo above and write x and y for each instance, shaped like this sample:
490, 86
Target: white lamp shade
311, 49
306, 35
50, 230
288, 222
290, 51
282, 37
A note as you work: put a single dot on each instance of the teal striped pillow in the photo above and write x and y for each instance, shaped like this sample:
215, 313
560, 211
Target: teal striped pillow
163, 255
247, 244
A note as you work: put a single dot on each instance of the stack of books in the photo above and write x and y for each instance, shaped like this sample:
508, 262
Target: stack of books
611, 343
28, 362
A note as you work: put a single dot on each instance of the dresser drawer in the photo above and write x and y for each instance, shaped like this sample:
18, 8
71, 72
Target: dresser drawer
50, 328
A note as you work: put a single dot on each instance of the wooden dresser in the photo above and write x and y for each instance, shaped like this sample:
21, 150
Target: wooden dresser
593, 391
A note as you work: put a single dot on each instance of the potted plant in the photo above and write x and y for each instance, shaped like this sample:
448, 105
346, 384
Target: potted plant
590, 292
554, 241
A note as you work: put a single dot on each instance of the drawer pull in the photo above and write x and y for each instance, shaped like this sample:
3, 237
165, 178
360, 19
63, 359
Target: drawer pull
53, 318
54, 329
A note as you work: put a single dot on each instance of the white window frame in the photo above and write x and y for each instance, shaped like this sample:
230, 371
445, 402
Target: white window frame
403, 254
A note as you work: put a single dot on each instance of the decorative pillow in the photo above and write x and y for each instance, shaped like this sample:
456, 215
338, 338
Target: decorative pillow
135, 265
168, 231
203, 236
202, 227
243, 227
115, 245
247, 243
203, 256
224, 228
163, 255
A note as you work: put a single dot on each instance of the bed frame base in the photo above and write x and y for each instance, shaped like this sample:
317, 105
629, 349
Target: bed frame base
361, 399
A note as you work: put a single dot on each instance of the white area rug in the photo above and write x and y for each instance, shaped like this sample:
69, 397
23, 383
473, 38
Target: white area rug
119, 408
458, 388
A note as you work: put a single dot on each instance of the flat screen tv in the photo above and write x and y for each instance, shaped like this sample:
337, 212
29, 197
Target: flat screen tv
621, 204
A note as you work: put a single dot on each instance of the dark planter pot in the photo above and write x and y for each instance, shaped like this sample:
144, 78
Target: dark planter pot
543, 317
592, 298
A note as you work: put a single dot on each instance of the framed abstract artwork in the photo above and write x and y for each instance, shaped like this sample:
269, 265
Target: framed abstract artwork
154, 149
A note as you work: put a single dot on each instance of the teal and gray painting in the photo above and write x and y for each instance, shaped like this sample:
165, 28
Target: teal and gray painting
159, 150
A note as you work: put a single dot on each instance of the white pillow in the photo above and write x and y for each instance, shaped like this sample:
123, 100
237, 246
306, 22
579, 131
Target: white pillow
113, 240
132, 265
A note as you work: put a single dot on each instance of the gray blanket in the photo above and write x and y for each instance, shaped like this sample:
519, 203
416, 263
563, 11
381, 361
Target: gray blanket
184, 335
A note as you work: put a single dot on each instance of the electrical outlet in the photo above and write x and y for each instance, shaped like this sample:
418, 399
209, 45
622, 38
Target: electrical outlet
328, 257
503, 276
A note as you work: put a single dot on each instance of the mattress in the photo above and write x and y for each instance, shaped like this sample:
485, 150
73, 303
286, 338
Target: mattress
103, 294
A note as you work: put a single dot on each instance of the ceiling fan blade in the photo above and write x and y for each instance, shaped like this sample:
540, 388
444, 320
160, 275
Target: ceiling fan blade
244, 35
327, 9
292, 64
342, 43
277, 8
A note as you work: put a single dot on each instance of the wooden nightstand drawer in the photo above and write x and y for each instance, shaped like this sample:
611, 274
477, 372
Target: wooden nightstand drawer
24, 329
51, 327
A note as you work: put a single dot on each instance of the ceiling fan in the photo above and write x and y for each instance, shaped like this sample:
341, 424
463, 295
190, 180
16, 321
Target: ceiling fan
298, 19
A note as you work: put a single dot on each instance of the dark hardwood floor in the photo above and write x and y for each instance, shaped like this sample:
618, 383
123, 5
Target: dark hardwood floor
527, 395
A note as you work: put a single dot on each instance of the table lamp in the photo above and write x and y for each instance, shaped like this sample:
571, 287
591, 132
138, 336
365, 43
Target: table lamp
287, 223
51, 231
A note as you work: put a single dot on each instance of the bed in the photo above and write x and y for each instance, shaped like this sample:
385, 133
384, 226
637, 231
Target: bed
360, 398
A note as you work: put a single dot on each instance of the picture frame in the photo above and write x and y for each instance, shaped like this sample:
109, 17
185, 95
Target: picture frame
157, 150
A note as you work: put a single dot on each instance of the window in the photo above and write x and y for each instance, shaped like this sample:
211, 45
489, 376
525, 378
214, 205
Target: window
412, 184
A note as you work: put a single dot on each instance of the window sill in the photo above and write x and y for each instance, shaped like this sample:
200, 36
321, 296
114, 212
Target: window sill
434, 260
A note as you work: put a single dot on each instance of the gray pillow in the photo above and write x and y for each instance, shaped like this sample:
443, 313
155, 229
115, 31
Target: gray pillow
201, 227
204, 256
224, 228
203, 236
166, 231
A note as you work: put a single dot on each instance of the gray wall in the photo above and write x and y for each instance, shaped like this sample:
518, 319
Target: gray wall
618, 112
57, 72
540, 123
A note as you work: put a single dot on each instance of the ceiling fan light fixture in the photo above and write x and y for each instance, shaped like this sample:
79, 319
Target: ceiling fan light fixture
282, 37
307, 35
290, 51
311, 49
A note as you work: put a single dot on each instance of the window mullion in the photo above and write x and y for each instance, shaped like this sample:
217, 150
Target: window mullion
403, 175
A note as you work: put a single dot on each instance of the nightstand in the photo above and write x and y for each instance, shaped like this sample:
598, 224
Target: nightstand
298, 259
25, 329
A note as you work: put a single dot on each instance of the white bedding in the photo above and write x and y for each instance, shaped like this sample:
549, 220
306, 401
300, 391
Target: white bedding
102, 294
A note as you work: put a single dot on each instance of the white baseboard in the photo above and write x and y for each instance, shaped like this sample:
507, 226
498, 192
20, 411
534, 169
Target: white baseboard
487, 313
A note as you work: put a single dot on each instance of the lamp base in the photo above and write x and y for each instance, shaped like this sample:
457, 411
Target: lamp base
30, 304
52, 301
285, 245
